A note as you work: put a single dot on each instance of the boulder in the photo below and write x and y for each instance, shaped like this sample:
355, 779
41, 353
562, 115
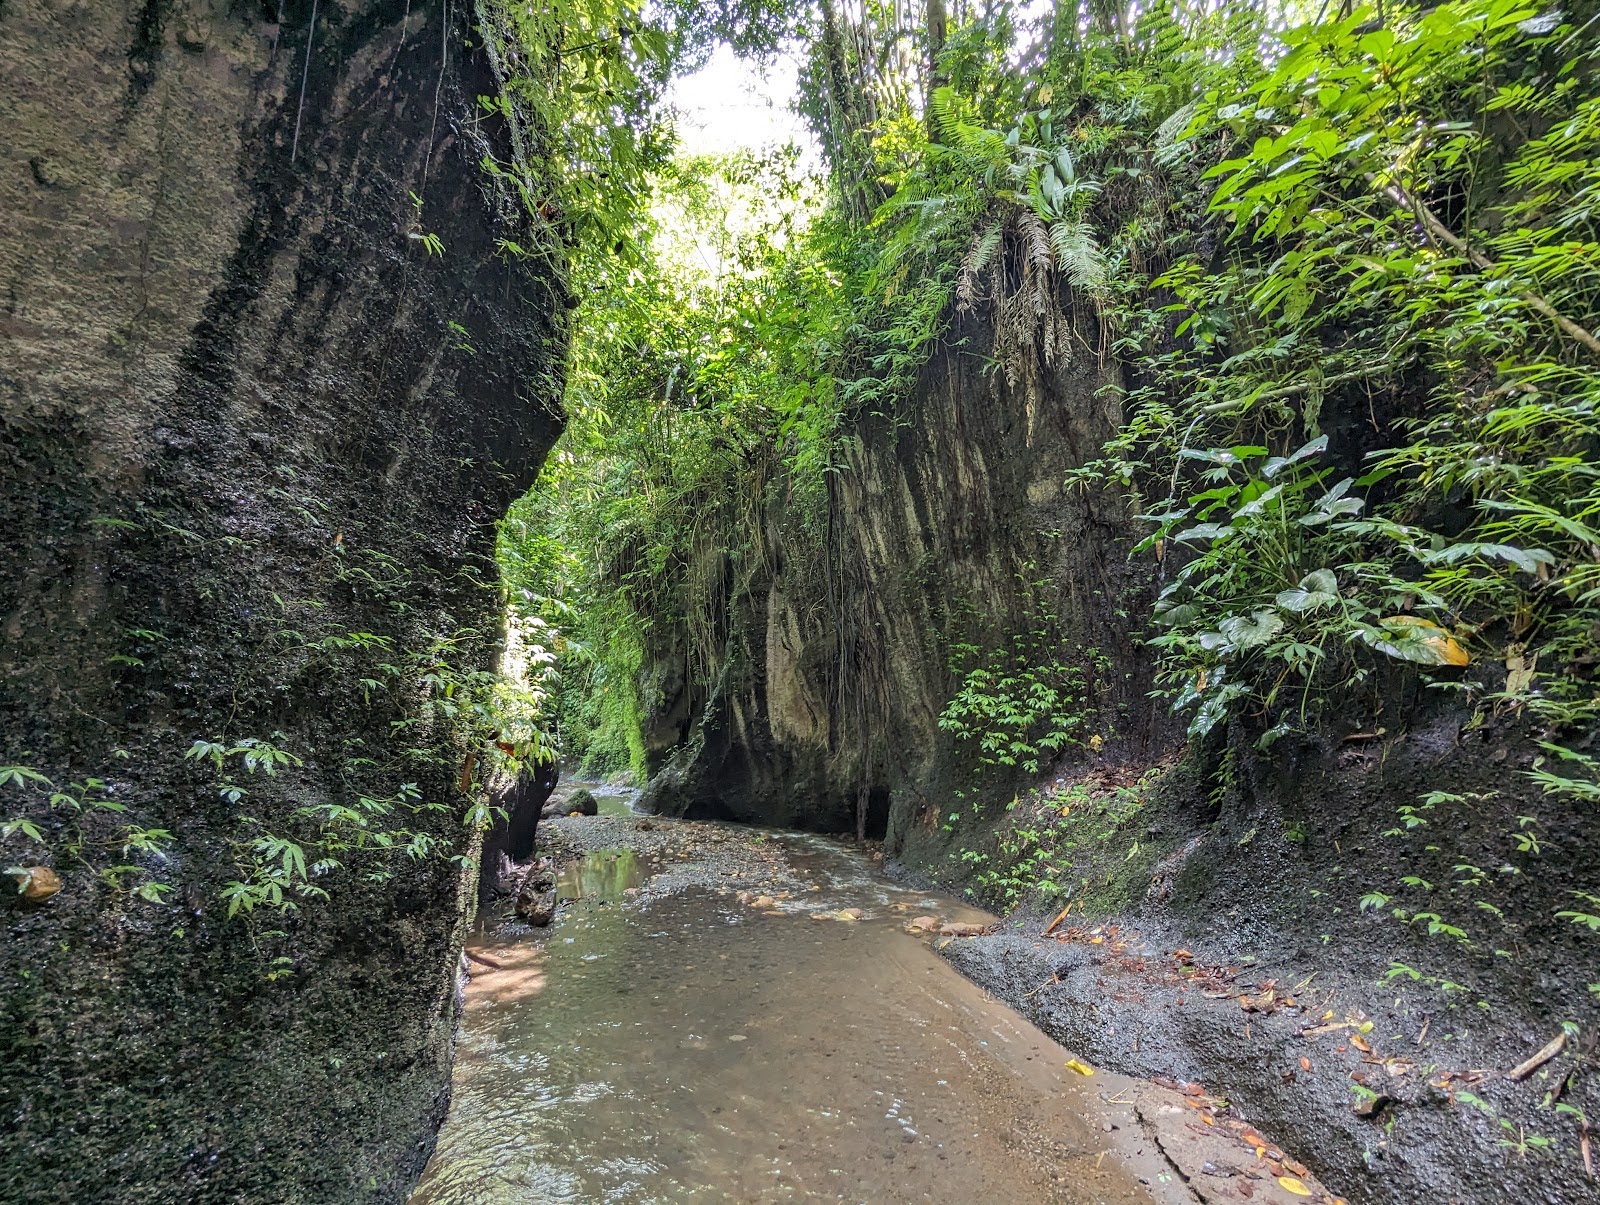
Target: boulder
536, 901
581, 801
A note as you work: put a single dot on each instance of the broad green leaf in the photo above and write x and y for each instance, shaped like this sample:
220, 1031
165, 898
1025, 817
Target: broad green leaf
1278, 463
1420, 641
1316, 589
1204, 531
1252, 631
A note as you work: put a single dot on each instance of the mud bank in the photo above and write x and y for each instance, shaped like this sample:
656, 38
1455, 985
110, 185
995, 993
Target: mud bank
1394, 1095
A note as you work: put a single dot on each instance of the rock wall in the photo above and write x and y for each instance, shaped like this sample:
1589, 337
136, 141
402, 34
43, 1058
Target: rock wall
963, 526
246, 411
954, 526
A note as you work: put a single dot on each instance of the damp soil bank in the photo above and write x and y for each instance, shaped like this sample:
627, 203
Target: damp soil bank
1235, 946
1390, 1099
721, 1013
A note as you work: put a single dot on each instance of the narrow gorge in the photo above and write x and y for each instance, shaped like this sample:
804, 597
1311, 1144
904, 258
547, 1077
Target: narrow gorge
783, 601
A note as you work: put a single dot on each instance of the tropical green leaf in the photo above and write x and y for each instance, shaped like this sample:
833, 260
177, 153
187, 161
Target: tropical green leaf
1316, 589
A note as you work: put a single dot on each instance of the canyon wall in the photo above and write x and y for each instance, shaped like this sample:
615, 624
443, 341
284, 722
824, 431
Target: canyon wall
265, 387
951, 533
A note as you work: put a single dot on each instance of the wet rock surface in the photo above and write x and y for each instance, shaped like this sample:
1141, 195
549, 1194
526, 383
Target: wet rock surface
728, 1014
237, 401
580, 801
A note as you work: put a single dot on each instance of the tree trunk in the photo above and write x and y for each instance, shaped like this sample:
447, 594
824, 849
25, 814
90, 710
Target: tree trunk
937, 31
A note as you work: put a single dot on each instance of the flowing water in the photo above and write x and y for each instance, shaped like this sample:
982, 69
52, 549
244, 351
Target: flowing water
686, 1047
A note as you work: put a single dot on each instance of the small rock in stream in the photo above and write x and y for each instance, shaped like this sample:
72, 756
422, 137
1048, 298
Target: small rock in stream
36, 883
961, 929
536, 901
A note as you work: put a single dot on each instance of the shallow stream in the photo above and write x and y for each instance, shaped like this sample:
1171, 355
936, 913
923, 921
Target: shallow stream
686, 1046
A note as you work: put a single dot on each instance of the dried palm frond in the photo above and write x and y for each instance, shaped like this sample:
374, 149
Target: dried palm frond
978, 257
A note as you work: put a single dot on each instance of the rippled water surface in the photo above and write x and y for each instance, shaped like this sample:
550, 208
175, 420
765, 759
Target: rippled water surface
690, 1048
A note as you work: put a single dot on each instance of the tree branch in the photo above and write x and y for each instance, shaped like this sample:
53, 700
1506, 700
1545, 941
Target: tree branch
1267, 395
1440, 233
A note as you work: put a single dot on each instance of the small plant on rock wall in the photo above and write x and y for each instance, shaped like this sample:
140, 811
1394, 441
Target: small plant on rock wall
80, 824
1018, 706
376, 823
1050, 836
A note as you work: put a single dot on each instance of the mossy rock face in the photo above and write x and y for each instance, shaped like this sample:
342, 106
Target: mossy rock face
952, 528
583, 802
241, 413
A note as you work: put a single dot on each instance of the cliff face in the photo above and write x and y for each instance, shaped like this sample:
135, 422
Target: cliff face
254, 433
949, 536
960, 539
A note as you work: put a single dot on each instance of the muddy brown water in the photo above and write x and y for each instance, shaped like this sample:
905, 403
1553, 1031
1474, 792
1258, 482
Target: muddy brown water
687, 1047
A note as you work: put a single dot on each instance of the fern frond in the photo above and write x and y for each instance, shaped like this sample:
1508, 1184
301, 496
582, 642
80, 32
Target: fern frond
1170, 140
946, 112
1079, 256
979, 254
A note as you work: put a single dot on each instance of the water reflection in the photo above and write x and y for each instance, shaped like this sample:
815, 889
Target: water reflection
604, 874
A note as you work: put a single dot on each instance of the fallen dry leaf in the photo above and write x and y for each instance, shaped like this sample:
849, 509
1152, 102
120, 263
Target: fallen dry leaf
1519, 668
1266, 1002
1080, 1067
1295, 1185
36, 882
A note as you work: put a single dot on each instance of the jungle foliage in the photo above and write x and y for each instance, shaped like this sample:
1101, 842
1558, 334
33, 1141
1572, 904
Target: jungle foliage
1346, 259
